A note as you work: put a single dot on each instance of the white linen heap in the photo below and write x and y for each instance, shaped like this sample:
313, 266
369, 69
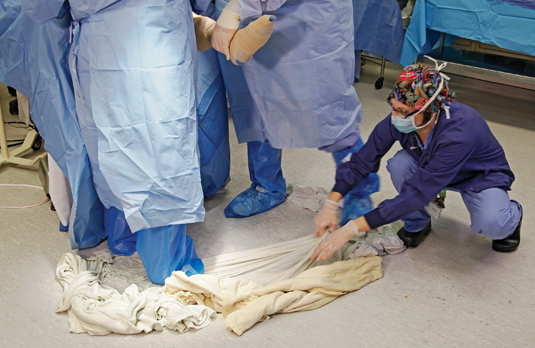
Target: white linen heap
246, 286
100, 309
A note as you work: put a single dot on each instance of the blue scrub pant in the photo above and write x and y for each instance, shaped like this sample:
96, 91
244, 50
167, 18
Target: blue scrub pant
268, 188
492, 213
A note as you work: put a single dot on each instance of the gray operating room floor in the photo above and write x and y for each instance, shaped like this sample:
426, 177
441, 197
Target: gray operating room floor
452, 291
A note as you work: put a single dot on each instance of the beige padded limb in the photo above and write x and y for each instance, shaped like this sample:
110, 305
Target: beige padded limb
250, 39
203, 31
245, 42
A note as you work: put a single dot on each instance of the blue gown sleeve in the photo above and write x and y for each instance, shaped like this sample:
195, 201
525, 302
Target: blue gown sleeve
367, 159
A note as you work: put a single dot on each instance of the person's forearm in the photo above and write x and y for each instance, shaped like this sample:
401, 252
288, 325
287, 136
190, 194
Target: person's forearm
362, 224
335, 197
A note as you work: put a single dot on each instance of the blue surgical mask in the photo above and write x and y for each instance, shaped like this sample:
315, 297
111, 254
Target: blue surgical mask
406, 124
402, 124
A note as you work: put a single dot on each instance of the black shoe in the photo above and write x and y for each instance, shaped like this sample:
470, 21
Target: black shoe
510, 243
413, 239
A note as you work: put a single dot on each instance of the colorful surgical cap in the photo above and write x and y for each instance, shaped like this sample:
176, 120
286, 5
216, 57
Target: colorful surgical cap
417, 84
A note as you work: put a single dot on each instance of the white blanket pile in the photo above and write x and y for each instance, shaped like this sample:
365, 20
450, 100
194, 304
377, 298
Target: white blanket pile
100, 309
246, 287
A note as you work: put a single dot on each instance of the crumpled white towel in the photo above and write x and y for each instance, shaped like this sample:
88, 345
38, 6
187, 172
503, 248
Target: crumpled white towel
378, 242
119, 272
99, 310
308, 197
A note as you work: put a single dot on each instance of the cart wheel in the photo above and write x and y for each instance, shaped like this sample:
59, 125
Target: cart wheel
379, 83
37, 143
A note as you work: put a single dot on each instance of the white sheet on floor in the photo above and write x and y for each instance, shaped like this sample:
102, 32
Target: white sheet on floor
245, 302
270, 264
106, 293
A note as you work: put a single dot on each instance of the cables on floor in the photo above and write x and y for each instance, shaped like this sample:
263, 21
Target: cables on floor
23, 206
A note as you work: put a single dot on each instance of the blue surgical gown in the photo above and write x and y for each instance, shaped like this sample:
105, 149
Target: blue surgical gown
212, 115
34, 41
297, 90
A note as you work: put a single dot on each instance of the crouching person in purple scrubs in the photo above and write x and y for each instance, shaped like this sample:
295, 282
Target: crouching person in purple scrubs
446, 145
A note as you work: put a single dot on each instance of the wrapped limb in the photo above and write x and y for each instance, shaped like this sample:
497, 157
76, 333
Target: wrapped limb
239, 46
250, 39
204, 26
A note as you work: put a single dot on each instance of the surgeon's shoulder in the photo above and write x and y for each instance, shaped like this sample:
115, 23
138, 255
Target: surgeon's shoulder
463, 113
465, 124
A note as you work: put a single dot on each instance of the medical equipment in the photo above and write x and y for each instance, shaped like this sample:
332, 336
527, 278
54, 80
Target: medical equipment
32, 141
507, 24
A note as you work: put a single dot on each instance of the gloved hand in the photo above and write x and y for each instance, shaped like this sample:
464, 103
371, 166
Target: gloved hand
204, 26
335, 241
327, 218
225, 28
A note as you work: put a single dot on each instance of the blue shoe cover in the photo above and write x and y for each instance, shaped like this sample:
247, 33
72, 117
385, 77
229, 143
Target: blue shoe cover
366, 186
355, 207
253, 201
166, 249
121, 240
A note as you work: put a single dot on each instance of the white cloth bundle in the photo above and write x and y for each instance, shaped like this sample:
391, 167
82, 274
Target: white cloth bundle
286, 260
99, 309
245, 302
308, 197
246, 286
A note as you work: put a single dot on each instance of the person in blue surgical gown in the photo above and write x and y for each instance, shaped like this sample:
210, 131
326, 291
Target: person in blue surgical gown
34, 45
35, 39
295, 92
133, 65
